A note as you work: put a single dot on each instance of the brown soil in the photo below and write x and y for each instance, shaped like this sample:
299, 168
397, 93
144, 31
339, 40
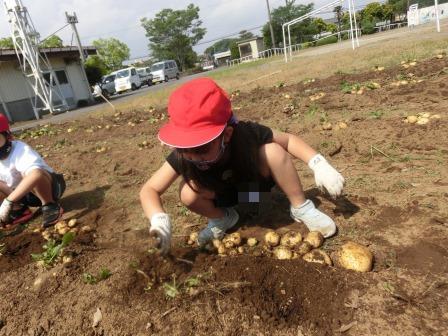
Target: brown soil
395, 202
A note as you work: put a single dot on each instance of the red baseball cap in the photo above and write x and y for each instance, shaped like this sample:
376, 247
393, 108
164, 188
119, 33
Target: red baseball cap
4, 123
198, 113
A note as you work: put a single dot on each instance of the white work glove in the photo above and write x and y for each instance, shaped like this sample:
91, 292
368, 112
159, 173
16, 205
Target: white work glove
5, 209
326, 176
160, 228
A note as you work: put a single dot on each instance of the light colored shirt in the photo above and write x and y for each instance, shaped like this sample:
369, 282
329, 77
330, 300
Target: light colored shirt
20, 161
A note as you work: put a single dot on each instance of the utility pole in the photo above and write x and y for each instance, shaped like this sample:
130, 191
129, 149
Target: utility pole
73, 20
270, 24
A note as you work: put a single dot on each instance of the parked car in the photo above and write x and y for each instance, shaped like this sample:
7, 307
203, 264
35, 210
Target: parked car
127, 79
106, 86
164, 71
145, 75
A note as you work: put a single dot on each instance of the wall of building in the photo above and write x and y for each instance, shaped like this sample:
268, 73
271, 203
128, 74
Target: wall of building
427, 14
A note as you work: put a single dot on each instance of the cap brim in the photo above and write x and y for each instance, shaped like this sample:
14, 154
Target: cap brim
181, 138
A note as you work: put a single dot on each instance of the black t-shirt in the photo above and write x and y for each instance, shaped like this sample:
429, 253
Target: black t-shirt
223, 172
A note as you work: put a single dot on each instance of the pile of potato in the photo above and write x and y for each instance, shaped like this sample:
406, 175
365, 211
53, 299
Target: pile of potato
421, 118
291, 245
62, 227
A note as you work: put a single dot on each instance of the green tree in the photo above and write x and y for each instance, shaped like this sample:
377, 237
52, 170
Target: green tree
53, 41
112, 52
338, 14
95, 69
234, 50
219, 46
320, 25
373, 12
6, 43
283, 14
173, 33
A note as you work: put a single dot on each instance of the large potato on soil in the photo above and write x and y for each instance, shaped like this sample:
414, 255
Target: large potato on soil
315, 239
291, 239
282, 253
355, 257
193, 238
272, 238
318, 256
252, 241
232, 240
304, 248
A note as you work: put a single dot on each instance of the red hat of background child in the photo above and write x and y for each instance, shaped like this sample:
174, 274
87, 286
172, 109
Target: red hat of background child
198, 111
4, 124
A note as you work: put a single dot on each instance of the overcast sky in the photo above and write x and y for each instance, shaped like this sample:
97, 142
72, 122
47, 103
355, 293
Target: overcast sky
121, 19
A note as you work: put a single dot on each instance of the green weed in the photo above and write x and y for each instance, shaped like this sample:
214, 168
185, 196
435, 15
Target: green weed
91, 279
376, 114
52, 250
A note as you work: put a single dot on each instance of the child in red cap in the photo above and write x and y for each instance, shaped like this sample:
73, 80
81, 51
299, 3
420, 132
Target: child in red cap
26, 180
224, 162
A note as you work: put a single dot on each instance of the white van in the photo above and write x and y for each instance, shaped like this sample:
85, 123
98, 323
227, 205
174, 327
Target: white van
127, 79
164, 71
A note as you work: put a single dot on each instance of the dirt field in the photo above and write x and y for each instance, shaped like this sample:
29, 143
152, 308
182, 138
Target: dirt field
395, 202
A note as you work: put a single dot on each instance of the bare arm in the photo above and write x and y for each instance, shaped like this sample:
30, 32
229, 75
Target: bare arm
294, 145
155, 187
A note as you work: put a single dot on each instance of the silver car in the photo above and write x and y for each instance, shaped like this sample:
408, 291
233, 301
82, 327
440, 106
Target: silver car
106, 87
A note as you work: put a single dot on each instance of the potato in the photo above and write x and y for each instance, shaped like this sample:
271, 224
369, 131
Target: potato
282, 253
327, 126
304, 248
241, 249
63, 230
355, 256
252, 242
318, 256
67, 260
72, 222
46, 235
217, 243
193, 238
422, 121
232, 240
59, 225
315, 239
291, 239
435, 116
342, 125
222, 250
236, 238
412, 119
228, 243
424, 115
86, 229
272, 238
232, 252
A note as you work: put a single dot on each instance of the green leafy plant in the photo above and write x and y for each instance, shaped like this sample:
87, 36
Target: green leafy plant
91, 279
347, 87
312, 110
376, 114
36, 133
52, 250
171, 289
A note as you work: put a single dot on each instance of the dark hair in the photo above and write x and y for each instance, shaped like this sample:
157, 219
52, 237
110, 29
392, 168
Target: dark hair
244, 162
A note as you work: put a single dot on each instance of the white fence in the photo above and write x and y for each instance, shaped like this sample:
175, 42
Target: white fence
280, 51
